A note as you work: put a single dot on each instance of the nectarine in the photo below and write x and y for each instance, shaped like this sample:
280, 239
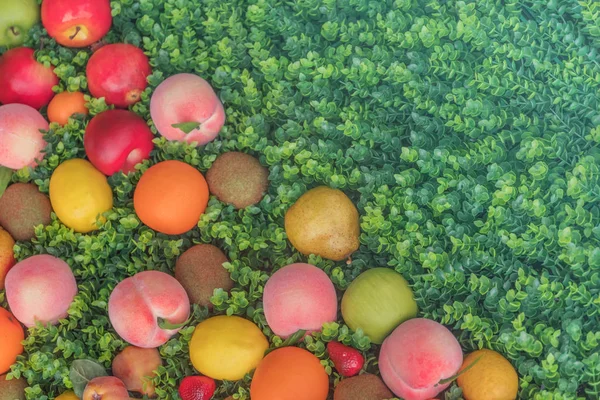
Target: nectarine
118, 72
105, 388
23, 80
135, 367
76, 23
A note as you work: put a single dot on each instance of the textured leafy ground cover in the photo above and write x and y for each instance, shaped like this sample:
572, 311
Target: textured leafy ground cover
465, 132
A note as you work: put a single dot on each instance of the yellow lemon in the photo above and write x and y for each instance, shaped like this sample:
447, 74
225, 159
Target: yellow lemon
67, 396
227, 347
492, 378
79, 193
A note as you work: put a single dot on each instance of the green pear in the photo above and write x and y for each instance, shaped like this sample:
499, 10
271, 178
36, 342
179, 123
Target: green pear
324, 222
17, 17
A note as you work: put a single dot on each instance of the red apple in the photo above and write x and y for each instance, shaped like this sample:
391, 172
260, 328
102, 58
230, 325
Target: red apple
117, 140
21, 141
186, 108
76, 23
118, 72
24, 80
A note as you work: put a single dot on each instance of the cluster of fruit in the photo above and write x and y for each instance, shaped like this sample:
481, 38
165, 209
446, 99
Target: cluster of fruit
418, 358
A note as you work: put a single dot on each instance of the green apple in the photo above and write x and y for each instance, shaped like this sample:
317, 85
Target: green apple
377, 301
16, 19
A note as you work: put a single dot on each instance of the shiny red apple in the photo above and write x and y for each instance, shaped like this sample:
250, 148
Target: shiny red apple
24, 80
117, 140
118, 72
76, 23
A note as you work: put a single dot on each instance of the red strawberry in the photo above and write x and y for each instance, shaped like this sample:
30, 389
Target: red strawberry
197, 388
347, 361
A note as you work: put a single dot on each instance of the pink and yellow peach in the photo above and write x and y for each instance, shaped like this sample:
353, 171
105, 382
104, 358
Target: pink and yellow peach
190, 100
141, 307
40, 289
21, 141
416, 356
299, 296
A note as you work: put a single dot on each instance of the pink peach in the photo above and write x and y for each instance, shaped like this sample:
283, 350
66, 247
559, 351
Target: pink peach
416, 356
40, 289
299, 296
144, 308
190, 100
21, 141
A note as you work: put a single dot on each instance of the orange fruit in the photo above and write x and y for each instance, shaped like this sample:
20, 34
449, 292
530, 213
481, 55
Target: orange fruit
7, 255
11, 336
492, 378
170, 197
64, 105
290, 373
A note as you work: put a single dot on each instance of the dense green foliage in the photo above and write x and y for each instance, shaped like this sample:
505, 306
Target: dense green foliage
465, 131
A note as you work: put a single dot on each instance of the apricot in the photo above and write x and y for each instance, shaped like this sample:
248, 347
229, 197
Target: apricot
135, 367
299, 296
290, 373
40, 289
416, 356
144, 308
105, 388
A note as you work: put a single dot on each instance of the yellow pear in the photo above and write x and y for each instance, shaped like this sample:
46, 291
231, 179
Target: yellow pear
323, 221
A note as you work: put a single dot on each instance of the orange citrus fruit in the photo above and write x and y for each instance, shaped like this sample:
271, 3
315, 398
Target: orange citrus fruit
290, 373
11, 336
492, 378
64, 105
7, 255
170, 197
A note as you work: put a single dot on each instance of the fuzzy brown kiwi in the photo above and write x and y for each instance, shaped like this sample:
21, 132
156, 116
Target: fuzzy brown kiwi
362, 387
238, 178
200, 271
22, 208
13, 389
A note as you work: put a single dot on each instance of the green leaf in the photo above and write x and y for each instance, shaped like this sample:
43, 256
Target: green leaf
83, 371
459, 373
187, 127
292, 340
5, 176
164, 324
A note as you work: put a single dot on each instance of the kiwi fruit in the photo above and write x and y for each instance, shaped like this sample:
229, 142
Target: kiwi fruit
13, 389
200, 271
238, 179
362, 387
22, 208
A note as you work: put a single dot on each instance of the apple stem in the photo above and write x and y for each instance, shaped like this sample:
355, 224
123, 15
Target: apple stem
187, 127
169, 326
77, 30
5, 175
15, 31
